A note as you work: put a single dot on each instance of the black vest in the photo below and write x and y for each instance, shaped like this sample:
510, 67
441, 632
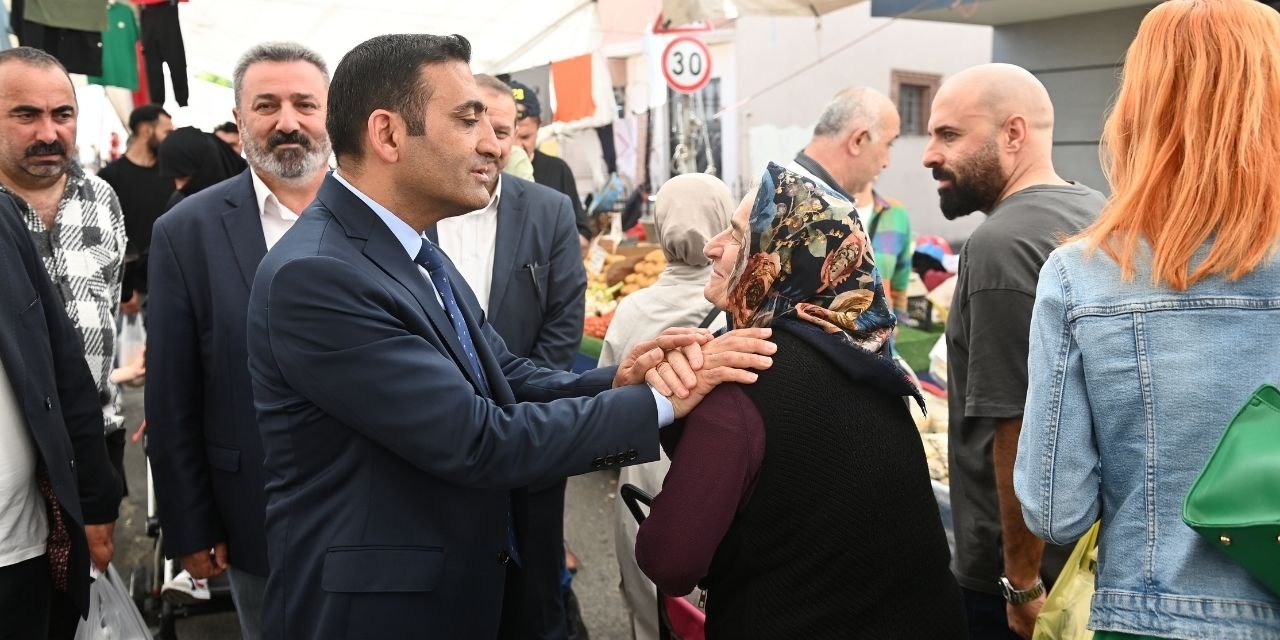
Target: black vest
842, 537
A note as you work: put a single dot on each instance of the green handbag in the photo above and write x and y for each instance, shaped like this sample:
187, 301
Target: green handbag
1235, 503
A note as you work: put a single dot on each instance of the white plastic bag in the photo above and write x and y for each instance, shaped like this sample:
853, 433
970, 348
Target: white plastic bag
112, 614
132, 339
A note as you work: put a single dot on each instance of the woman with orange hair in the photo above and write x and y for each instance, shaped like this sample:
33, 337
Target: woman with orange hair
1152, 328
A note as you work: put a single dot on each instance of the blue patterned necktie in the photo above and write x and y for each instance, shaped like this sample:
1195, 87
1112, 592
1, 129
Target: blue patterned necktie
429, 258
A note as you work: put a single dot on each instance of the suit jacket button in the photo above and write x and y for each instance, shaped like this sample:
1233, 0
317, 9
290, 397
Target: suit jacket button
48, 404
597, 463
633, 455
503, 558
610, 460
73, 464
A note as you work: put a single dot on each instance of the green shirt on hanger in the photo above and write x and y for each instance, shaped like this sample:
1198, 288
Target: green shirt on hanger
119, 52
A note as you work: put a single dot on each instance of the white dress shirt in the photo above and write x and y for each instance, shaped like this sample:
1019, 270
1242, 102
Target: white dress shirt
276, 218
24, 525
469, 241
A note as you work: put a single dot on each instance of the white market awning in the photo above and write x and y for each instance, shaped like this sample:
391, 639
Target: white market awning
505, 35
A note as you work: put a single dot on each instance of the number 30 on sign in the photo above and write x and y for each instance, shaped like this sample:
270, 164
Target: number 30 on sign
686, 63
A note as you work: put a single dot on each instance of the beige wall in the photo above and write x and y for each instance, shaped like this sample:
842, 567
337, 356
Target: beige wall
775, 123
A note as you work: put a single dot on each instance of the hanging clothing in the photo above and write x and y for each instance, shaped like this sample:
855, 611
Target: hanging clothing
77, 15
119, 49
162, 43
141, 95
78, 51
4, 27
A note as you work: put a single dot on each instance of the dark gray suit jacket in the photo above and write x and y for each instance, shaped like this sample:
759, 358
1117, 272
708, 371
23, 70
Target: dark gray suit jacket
536, 295
201, 429
57, 396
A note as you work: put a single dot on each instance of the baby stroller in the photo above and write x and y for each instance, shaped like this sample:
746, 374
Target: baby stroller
147, 581
678, 619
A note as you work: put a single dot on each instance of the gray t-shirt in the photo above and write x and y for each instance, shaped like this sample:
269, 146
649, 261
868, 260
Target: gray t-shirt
987, 332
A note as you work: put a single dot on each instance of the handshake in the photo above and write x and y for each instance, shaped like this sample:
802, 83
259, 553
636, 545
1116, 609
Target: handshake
686, 364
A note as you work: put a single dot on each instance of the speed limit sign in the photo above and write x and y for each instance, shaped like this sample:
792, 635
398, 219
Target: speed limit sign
686, 64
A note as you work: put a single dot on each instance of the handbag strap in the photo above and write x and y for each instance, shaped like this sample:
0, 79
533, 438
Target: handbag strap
711, 317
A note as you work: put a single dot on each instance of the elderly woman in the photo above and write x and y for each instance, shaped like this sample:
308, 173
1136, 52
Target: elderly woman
802, 503
691, 209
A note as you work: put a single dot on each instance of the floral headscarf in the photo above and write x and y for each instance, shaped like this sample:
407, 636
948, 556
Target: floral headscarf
811, 266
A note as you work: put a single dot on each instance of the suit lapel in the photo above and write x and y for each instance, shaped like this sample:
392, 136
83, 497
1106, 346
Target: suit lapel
384, 250
243, 222
511, 229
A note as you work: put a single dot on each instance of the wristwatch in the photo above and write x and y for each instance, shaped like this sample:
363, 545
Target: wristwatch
1014, 596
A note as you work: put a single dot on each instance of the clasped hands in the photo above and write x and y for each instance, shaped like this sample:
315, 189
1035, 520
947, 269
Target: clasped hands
686, 364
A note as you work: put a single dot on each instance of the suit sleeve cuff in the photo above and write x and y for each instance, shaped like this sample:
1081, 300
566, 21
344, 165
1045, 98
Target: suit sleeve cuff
666, 411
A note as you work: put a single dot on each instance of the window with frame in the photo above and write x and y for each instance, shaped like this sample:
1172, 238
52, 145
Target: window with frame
913, 93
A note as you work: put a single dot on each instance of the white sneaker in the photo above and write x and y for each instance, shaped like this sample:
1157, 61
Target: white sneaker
183, 589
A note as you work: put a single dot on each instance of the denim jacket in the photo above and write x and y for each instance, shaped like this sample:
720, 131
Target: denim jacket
1130, 388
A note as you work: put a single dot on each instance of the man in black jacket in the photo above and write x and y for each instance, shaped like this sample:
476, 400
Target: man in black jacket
59, 492
548, 170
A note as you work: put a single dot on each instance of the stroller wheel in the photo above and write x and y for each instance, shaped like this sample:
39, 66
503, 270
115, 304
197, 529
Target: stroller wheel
140, 585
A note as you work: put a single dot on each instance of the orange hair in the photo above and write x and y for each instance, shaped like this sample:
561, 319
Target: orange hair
1192, 146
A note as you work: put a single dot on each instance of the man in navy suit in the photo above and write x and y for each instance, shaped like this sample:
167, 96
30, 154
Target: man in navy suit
394, 420
58, 487
205, 451
520, 256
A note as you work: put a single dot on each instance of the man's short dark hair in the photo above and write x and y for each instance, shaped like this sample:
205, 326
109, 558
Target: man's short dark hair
227, 127
32, 56
372, 76
146, 114
274, 52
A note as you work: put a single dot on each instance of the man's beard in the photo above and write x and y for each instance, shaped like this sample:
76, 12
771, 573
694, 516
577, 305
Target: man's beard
287, 164
46, 170
975, 186
153, 144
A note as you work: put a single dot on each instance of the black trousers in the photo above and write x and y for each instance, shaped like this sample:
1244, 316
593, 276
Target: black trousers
533, 602
30, 608
162, 43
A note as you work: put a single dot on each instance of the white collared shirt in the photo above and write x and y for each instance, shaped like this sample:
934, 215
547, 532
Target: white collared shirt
469, 241
276, 218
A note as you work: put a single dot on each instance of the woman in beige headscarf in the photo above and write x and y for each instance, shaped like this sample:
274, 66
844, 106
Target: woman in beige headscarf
691, 209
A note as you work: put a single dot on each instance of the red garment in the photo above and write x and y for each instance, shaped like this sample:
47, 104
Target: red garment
142, 95
676, 552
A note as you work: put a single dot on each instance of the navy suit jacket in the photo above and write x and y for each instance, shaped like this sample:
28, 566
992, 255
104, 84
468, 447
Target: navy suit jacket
206, 455
55, 392
388, 473
536, 294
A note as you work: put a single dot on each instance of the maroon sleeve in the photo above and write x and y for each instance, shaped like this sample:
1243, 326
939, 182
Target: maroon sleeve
710, 480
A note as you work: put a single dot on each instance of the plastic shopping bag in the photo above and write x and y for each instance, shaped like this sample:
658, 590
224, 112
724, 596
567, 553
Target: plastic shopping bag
1066, 611
112, 614
133, 337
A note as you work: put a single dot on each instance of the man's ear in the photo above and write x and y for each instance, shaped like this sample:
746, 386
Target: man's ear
385, 135
1015, 133
857, 137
